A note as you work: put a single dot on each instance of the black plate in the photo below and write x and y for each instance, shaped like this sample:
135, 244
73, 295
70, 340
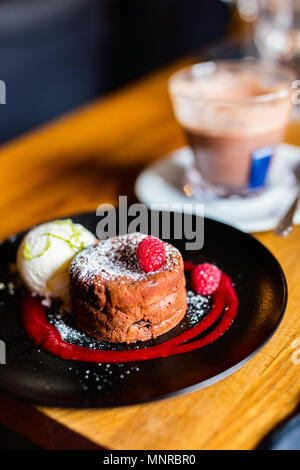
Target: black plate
35, 375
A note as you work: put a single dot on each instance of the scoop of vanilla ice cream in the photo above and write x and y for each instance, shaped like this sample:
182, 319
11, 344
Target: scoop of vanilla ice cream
45, 253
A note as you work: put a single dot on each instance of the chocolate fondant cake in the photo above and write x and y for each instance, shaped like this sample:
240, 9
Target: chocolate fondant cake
112, 299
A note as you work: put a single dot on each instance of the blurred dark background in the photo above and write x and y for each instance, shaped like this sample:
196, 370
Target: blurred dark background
57, 54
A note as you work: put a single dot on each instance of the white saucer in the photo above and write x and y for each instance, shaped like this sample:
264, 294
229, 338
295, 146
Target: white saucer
162, 183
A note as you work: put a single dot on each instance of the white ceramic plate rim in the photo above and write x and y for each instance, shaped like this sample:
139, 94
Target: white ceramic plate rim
151, 188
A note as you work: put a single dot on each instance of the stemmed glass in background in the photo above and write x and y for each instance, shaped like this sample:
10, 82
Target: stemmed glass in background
276, 30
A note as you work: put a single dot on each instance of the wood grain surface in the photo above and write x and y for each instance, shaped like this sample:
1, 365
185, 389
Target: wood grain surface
92, 156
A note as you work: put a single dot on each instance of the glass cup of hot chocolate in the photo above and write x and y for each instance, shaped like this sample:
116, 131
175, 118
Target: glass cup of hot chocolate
234, 115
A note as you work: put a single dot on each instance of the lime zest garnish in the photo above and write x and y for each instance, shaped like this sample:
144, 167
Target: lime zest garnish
64, 222
76, 231
76, 234
76, 248
28, 256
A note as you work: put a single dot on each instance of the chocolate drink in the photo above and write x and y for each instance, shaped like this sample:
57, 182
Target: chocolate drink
233, 118
225, 160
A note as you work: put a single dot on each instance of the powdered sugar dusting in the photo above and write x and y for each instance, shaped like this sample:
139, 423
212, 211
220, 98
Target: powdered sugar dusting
198, 306
71, 333
115, 258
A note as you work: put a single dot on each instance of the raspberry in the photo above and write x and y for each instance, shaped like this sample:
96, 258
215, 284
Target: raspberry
151, 254
205, 278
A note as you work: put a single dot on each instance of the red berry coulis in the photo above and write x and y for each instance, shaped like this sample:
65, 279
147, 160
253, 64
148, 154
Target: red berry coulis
43, 334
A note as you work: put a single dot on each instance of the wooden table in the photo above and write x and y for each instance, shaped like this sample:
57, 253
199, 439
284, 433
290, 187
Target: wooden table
90, 157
